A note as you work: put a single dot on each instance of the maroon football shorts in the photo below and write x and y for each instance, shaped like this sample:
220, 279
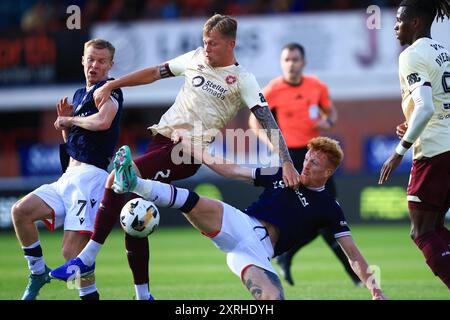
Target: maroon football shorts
157, 164
429, 183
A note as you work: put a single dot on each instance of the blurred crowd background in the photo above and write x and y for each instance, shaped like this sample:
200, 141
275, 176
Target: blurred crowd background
38, 15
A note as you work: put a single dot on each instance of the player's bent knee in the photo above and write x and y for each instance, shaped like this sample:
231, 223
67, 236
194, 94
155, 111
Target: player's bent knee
15, 214
420, 229
19, 212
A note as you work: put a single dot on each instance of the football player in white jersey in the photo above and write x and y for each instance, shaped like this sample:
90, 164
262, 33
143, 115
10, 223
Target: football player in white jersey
424, 69
215, 88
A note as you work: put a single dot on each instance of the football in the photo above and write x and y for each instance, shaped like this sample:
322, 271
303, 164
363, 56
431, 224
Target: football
139, 218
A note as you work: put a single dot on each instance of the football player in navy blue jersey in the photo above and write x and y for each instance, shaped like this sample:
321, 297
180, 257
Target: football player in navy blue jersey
279, 219
90, 133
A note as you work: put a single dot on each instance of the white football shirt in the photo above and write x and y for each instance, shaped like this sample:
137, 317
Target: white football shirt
210, 97
426, 62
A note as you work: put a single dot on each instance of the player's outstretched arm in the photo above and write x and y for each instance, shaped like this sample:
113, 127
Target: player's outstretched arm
137, 78
254, 125
228, 169
265, 118
221, 166
360, 266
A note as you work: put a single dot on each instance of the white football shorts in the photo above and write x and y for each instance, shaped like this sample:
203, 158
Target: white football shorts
74, 198
245, 240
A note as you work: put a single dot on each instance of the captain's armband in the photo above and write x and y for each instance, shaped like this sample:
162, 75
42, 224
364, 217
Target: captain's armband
165, 72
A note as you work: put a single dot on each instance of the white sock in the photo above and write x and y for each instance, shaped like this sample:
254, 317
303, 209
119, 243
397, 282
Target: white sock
162, 194
144, 189
142, 291
35, 264
87, 290
89, 253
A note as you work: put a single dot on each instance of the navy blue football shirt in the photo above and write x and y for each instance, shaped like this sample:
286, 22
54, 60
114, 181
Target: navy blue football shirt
93, 147
299, 214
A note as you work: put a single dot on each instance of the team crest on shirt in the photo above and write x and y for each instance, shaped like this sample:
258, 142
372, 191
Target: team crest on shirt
230, 79
115, 95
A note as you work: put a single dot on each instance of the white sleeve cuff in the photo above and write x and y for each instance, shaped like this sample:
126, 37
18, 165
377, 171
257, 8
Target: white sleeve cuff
400, 149
254, 173
423, 111
116, 103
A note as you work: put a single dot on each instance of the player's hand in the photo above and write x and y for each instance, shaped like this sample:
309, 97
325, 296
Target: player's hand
184, 139
63, 123
389, 166
291, 177
63, 108
401, 129
323, 124
182, 135
102, 94
187, 144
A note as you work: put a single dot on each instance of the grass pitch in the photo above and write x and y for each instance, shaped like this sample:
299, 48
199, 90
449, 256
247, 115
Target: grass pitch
184, 265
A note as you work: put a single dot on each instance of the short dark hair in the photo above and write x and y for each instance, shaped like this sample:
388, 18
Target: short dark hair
428, 9
295, 46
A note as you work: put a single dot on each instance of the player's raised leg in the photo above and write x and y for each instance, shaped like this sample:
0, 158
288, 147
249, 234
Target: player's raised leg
24, 214
124, 174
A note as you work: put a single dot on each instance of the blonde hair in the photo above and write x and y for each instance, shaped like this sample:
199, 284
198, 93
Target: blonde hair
330, 148
100, 44
226, 25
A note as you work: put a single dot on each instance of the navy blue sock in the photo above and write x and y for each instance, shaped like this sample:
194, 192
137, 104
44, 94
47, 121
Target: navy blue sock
190, 203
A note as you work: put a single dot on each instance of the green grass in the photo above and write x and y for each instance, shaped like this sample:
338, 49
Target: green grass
186, 265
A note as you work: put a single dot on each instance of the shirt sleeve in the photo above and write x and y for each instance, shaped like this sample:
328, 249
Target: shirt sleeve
337, 222
413, 70
267, 93
117, 97
179, 64
324, 100
251, 94
264, 177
